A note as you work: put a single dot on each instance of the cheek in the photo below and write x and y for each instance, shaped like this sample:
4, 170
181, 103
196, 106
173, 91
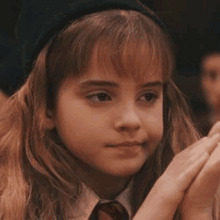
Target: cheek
153, 124
210, 92
156, 130
76, 122
207, 87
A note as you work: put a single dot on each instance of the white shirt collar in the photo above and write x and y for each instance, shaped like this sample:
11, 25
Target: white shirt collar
89, 200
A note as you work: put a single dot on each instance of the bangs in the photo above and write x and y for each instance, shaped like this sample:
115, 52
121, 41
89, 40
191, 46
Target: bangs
131, 45
125, 42
134, 59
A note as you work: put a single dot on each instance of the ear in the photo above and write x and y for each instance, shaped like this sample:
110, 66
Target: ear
49, 122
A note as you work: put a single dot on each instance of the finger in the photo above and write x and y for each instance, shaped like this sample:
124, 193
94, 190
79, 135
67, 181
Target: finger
195, 167
214, 141
213, 164
195, 145
180, 173
187, 160
203, 150
207, 144
206, 183
186, 165
215, 129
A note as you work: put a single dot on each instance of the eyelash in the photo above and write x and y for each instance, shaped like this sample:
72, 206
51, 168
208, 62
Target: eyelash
153, 95
96, 95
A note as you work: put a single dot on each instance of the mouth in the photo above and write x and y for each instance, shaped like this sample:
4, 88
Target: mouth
129, 149
128, 144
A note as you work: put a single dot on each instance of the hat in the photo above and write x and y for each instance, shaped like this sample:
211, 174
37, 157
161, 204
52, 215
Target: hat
40, 21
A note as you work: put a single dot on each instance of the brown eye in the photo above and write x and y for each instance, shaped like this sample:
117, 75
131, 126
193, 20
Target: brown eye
149, 97
99, 97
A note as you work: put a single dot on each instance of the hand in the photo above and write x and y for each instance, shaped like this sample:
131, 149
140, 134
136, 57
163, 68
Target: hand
215, 129
170, 188
199, 198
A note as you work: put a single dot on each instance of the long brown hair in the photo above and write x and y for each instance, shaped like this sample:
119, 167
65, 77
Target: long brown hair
38, 174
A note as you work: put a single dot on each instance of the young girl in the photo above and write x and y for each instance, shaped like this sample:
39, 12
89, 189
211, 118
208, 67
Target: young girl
99, 119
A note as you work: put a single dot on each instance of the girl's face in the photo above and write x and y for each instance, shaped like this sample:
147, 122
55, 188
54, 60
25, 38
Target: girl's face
111, 124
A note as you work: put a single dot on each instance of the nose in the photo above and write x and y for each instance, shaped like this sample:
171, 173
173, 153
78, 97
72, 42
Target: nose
128, 120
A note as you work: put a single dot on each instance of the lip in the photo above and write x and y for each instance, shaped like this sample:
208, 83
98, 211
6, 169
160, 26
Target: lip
127, 144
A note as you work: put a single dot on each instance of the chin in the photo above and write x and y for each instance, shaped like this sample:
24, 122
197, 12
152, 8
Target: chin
126, 172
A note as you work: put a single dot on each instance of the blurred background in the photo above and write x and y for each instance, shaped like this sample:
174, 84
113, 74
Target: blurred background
193, 24
195, 28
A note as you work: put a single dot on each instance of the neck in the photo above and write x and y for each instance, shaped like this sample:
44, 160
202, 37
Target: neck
104, 185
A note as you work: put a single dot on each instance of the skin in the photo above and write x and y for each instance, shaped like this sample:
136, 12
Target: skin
93, 118
189, 182
210, 83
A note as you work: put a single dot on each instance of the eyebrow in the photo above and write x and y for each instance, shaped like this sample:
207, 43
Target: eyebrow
152, 84
89, 83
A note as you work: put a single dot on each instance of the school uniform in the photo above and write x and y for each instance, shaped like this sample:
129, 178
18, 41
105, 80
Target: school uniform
89, 199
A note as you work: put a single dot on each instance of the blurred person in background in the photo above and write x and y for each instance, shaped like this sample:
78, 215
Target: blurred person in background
210, 85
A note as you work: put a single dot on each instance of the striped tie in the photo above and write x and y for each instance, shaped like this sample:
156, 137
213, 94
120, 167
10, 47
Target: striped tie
109, 211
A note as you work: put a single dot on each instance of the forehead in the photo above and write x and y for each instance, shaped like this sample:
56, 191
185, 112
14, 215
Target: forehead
212, 62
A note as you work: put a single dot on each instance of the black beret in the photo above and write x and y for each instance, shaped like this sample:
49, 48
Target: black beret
38, 23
